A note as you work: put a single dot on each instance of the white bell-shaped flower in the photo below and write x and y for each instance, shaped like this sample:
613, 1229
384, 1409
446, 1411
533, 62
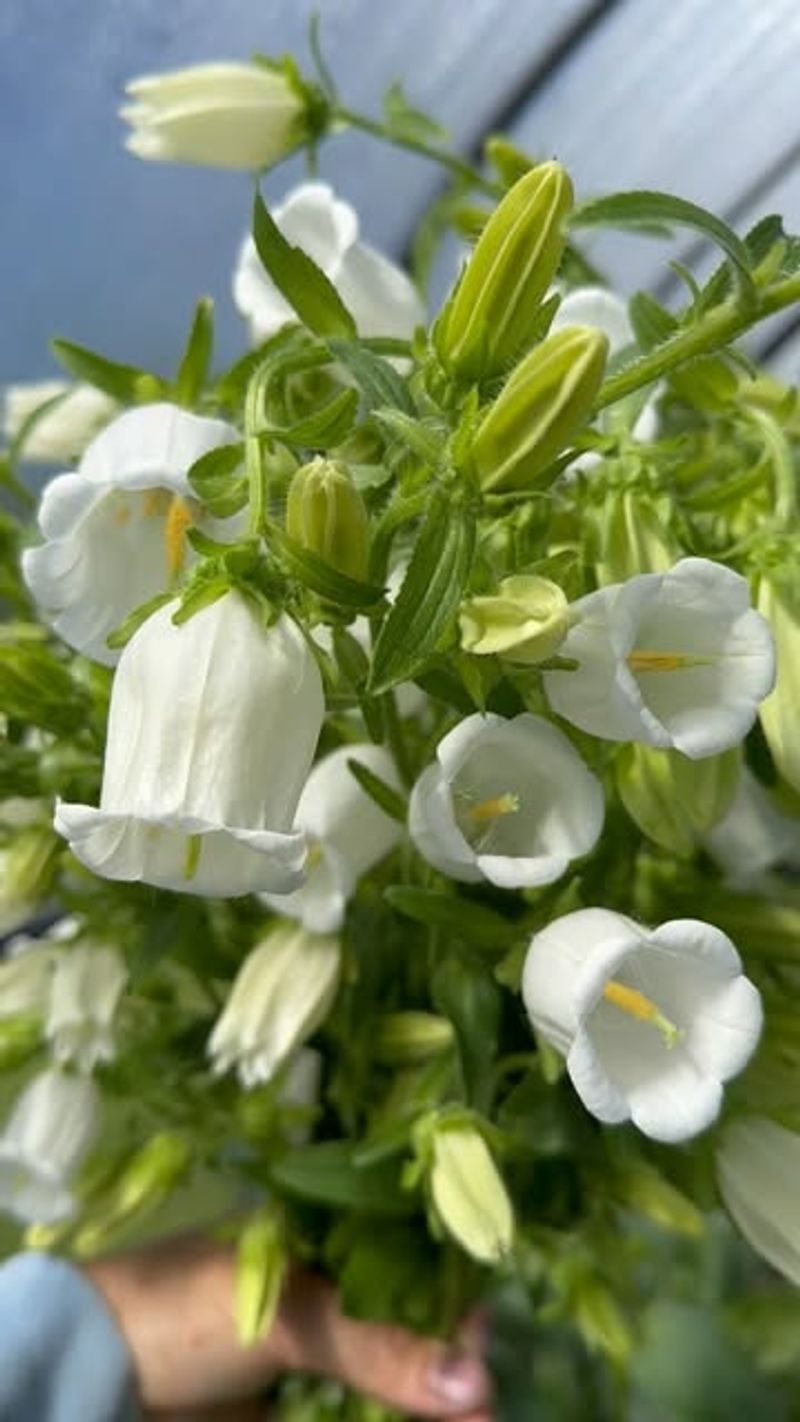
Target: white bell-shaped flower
755, 836
597, 306
675, 659
651, 1021
211, 733
283, 991
115, 530
508, 801
48, 1134
68, 417
347, 833
25, 975
758, 1167
87, 984
380, 296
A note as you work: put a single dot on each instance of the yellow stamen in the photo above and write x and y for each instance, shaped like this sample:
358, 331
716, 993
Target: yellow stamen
487, 810
641, 661
156, 502
314, 856
179, 518
636, 1005
194, 844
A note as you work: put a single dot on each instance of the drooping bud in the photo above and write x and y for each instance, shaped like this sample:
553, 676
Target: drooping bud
326, 514
525, 621
541, 406
491, 317
407, 1038
672, 799
778, 599
467, 1191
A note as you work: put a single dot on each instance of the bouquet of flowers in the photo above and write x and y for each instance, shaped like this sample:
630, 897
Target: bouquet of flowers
400, 768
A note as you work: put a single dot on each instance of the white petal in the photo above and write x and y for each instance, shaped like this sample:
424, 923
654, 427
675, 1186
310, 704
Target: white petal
754, 836
597, 1091
758, 1166
379, 295
313, 218
320, 903
434, 831
677, 1104
596, 306
334, 809
153, 446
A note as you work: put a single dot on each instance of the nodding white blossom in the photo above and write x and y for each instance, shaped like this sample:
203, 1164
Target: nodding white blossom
758, 1167
347, 833
87, 984
67, 417
283, 991
114, 531
224, 115
675, 659
652, 1022
48, 1134
597, 306
380, 296
211, 734
755, 836
508, 801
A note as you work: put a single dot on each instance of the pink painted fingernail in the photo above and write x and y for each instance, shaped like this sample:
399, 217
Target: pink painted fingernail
459, 1379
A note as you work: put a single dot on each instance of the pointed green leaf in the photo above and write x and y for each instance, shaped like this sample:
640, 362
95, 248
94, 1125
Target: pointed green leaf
375, 377
463, 918
320, 577
385, 796
325, 428
325, 1174
215, 480
194, 366
127, 383
306, 288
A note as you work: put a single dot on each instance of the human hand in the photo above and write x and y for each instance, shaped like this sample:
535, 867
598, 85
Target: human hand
174, 1305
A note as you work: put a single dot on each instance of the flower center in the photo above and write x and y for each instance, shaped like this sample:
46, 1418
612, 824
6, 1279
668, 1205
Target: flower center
487, 811
194, 844
179, 518
636, 1005
644, 661
314, 855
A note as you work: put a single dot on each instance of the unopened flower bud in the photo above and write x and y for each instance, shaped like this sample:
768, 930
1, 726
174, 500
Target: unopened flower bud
641, 1188
491, 318
326, 514
633, 536
152, 1173
20, 1037
27, 865
778, 599
672, 799
405, 1038
468, 1193
525, 621
541, 406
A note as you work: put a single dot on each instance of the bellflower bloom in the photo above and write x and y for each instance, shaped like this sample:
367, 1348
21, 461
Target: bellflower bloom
114, 531
508, 801
45, 1140
381, 298
674, 659
651, 1021
754, 836
211, 733
88, 982
758, 1166
347, 834
599, 307
283, 991
225, 115
74, 414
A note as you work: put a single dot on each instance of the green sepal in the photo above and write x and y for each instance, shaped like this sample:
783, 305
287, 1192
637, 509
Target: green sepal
127, 383
196, 360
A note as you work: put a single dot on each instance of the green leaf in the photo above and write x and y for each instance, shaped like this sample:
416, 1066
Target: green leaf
325, 1174
36, 687
121, 635
19, 772
385, 796
306, 288
127, 383
325, 428
634, 208
414, 434
406, 122
463, 918
466, 992
428, 600
375, 377
194, 366
215, 481
353, 664
652, 323
320, 578
759, 242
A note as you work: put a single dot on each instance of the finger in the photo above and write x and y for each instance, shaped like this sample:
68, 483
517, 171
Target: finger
416, 1375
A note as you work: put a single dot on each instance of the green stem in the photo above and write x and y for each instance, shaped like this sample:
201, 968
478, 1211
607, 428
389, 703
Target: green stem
455, 165
782, 464
713, 331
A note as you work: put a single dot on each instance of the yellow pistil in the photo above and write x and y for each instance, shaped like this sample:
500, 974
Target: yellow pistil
314, 855
179, 518
636, 1005
487, 811
642, 661
194, 844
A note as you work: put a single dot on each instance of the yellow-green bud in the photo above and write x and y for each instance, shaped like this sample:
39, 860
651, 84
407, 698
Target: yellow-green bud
326, 515
633, 537
672, 799
260, 1270
152, 1173
541, 406
27, 866
468, 1193
406, 1038
778, 599
601, 1320
525, 621
491, 317
641, 1188
20, 1037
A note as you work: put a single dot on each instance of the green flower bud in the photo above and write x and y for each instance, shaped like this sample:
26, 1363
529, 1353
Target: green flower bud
641, 1188
633, 536
152, 1173
491, 317
406, 1038
672, 799
541, 406
20, 1037
600, 1319
260, 1270
468, 1193
326, 514
525, 621
778, 599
